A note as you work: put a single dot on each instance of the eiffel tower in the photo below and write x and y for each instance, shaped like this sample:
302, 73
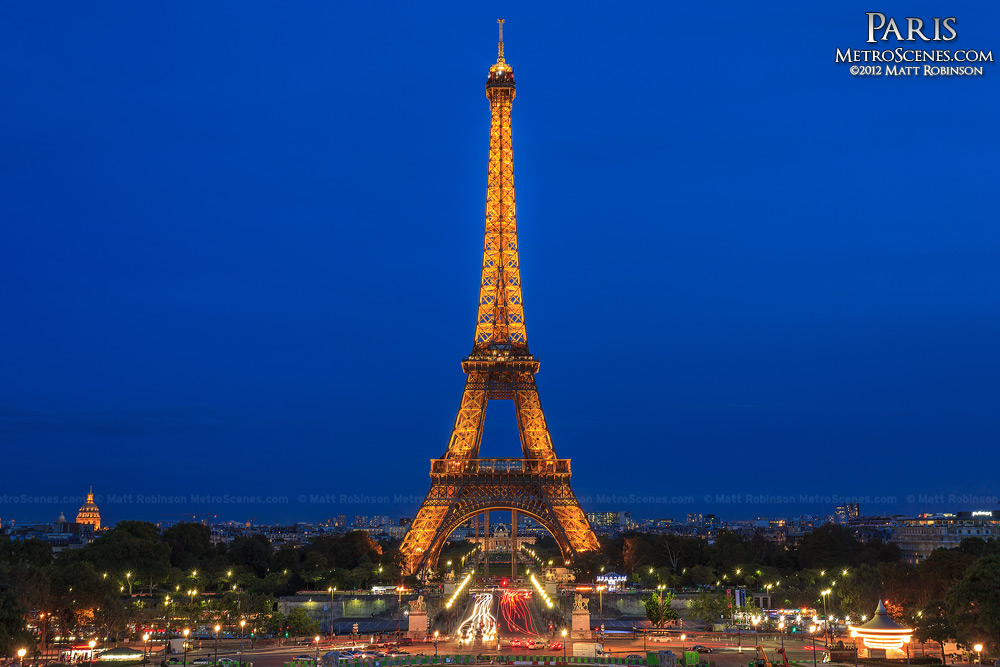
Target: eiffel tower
463, 485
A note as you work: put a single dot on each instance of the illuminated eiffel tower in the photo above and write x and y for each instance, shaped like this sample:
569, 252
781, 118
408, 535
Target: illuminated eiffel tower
463, 486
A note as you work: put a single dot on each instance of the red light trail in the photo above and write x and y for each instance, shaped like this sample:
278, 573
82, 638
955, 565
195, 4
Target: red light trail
514, 609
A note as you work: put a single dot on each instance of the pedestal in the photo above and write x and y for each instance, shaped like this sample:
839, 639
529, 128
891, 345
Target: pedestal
417, 624
581, 623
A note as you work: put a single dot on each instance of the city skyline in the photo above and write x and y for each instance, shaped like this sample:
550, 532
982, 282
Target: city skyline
246, 266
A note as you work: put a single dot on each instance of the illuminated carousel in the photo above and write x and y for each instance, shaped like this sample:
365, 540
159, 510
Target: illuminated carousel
882, 636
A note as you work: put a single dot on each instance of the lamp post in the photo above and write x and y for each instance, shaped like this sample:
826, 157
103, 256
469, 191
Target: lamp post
91, 644
564, 644
683, 637
978, 648
435, 643
216, 628
755, 620
600, 595
812, 630
399, 611
186, 632
826, 619
316, 640
20, 656
145, 643
781, 629
166, 626
331, 589
243, 627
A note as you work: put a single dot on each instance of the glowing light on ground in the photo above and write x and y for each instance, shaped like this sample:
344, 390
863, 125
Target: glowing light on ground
481, 619
458, 591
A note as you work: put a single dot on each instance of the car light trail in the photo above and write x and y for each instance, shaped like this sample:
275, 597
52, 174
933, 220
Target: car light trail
480, 620
514, 608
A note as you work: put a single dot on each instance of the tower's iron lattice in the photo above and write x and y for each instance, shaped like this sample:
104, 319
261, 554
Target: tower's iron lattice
499, 367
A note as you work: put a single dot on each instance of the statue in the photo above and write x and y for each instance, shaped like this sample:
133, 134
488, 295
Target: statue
450, 576
418, 604
580, 602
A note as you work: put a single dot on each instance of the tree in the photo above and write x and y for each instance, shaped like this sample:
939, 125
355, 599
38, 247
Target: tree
14, 634
934, 625
131, 553
658, 609
709, 607
860, 591
301, 623
827, 547
190, 544
974, 604
635, 553
253, 552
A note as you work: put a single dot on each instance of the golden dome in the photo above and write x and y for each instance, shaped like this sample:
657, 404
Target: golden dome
89, 514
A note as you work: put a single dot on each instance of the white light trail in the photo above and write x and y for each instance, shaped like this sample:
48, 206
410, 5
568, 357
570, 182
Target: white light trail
481, 618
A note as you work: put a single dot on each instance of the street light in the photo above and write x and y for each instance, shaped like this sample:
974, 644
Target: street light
564, 644
435, 643
812, 631
979, 649
145, 642
186, 633
826, 618
600, 594
781, 628
755, 620
316, 639
399, 611
20, 656
91, 644
243, 627
217, 628
683, 637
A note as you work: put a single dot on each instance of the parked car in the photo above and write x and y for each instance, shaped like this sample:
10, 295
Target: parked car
304, 656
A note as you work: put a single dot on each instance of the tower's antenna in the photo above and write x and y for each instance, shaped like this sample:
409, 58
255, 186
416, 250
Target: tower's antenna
500, 43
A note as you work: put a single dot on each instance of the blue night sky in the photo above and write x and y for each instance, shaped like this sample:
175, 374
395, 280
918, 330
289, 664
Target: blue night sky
241, 249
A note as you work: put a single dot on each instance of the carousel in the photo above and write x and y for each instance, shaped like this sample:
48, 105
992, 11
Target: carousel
882, 636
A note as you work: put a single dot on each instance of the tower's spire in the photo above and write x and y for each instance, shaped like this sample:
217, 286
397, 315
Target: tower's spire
500, 43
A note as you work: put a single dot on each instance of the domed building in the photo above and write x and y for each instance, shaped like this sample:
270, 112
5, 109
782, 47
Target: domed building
89, 514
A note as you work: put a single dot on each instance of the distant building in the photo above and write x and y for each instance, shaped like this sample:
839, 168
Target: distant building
61, 534
920, 536
695, 519
866, 528
846, 512
89, 514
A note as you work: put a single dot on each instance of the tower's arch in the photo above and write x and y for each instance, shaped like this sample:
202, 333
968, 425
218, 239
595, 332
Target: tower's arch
434, 553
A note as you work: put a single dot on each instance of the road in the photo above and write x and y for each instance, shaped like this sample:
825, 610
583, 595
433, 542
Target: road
727, 651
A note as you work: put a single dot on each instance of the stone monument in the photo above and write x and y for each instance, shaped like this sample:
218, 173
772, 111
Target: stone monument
418, 618
581, 617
